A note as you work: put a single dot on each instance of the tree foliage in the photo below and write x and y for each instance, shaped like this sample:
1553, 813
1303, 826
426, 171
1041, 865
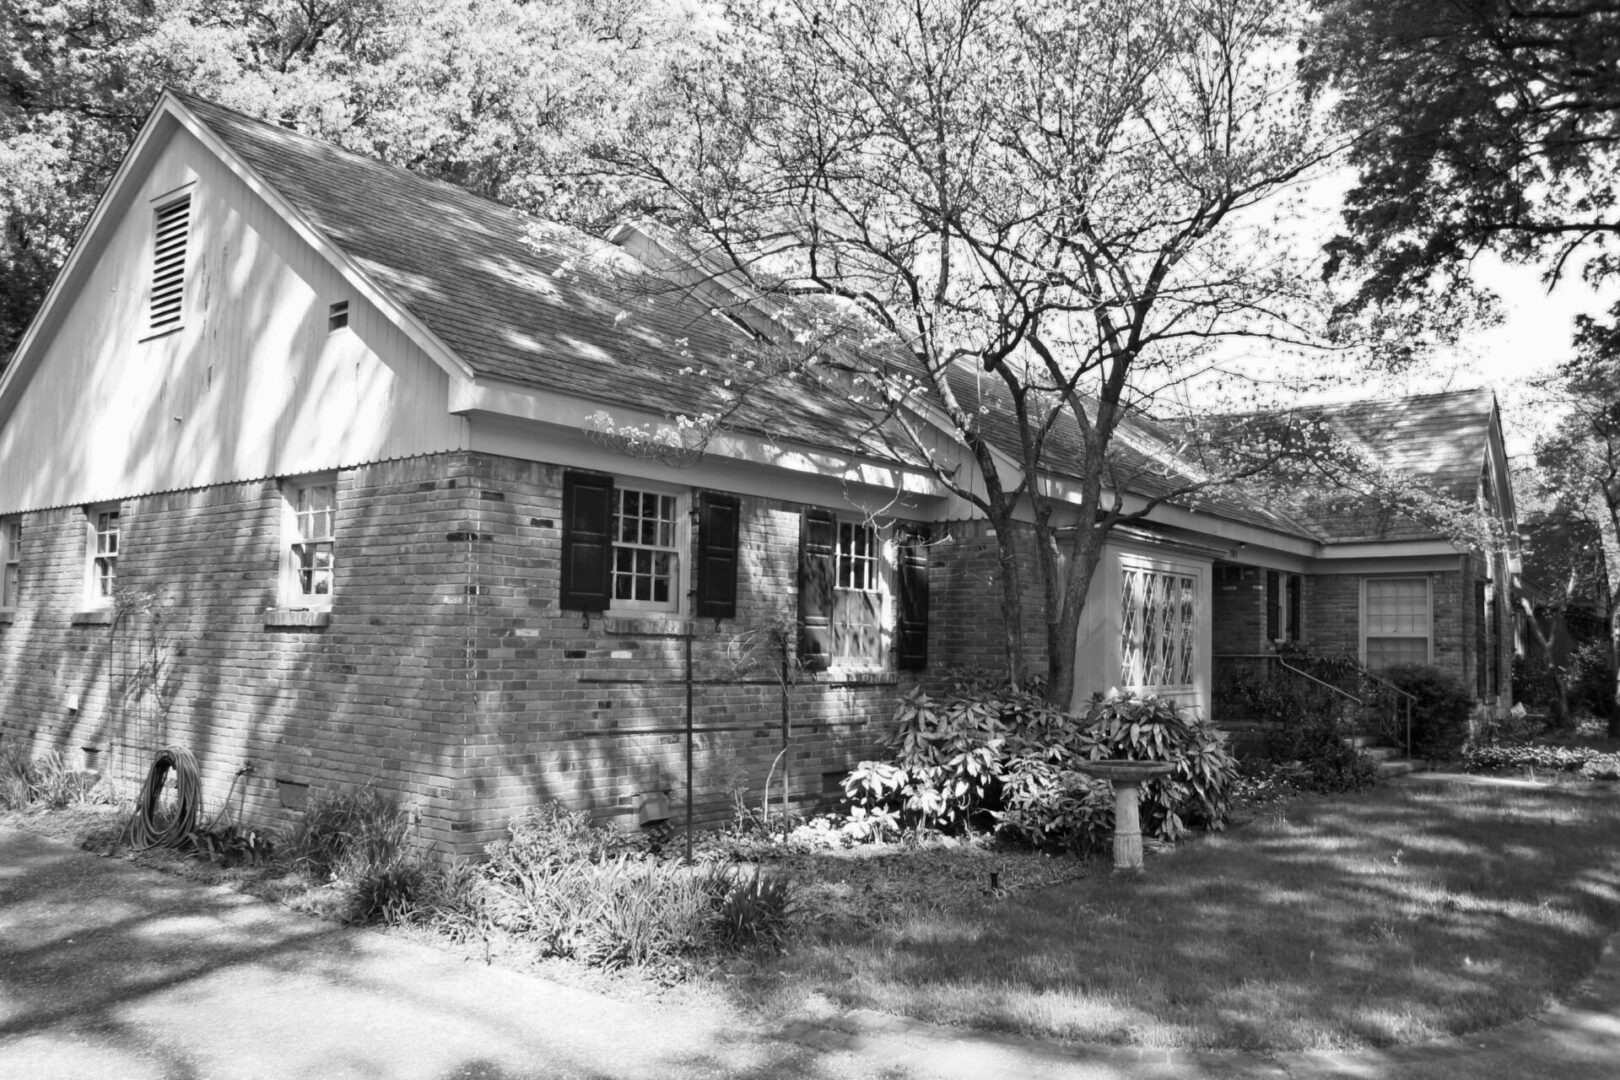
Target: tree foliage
1481, 124
1027, 220
1580, 460
498, 96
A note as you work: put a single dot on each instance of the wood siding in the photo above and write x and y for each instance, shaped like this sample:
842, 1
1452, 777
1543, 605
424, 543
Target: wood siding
253, 385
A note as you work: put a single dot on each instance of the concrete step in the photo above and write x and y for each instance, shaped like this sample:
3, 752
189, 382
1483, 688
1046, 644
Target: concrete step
1399, 767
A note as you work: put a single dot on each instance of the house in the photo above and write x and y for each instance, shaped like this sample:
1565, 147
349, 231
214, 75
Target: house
1380, 581
303, 467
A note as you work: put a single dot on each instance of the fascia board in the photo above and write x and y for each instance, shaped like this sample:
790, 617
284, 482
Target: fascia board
1392, 549
414, 328
514, 401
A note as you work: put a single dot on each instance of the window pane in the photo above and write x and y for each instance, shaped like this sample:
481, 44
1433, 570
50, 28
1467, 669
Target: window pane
1385, 652
1158, 640
1397, 606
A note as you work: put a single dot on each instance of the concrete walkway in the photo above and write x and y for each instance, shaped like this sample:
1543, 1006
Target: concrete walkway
110, 971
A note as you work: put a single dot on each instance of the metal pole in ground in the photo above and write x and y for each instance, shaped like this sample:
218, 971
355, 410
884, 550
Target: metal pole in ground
688, 641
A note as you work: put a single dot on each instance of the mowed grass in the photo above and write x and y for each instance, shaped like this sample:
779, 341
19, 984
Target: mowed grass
1407, 913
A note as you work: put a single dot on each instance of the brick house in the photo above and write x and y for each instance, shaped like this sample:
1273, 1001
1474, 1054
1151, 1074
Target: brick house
301, 467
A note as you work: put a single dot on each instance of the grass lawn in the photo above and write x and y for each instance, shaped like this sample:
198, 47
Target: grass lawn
1410, 912
1406, 913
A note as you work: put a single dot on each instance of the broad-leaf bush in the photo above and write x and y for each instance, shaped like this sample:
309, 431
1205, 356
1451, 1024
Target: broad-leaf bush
1441, 709
993, 757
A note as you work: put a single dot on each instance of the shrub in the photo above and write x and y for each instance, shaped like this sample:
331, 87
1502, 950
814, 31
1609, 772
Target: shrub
1440, 713
1591, 679
580, 891
1328, 764
389, 893
16, 785
756, 911
46, 780
1009, 759
353, 835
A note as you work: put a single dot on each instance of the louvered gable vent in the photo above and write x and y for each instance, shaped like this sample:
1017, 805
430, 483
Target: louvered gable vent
169, 263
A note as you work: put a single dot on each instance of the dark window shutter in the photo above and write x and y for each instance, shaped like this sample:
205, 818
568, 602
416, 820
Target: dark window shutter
911, 651
717, 556
587, 558
817, 536
1273, 608
1295, 584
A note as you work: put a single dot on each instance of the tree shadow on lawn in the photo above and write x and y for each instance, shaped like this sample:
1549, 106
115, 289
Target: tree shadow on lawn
1397, 916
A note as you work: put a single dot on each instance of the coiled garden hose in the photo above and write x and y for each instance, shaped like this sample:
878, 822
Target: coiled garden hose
143, 830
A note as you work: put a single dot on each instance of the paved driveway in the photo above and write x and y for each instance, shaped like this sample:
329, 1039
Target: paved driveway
110, 971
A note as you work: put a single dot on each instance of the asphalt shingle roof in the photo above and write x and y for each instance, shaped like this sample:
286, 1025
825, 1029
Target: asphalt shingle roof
1439, 439
543, 305
521, 299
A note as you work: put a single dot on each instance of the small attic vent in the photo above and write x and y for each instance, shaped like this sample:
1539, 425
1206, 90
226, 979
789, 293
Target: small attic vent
169, 264
337, 316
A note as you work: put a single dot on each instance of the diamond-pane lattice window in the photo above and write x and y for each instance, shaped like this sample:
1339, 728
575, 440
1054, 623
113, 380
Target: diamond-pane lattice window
1158, 642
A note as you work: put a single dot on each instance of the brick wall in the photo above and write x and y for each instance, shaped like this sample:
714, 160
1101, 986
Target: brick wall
1333, 618
378, 694
1238, 611
446, 671
592, 709
966, 629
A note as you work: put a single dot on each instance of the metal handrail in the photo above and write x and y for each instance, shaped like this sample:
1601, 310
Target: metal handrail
1404, 699
1406, 702
1341, 691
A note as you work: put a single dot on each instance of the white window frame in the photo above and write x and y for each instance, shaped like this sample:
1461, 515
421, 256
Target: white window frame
1186, 656
104, 547
861, 578
293, 594
10, 561
678, 549
1428, 608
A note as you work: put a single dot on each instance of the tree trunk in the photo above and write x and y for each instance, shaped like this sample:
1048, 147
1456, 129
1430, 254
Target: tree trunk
1012, 593
1063, 623
1561, 718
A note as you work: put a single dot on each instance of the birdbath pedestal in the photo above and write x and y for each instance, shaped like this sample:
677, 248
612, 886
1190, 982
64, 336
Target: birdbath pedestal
1126, 776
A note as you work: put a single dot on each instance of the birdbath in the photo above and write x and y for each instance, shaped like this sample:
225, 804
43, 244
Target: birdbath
1126, 776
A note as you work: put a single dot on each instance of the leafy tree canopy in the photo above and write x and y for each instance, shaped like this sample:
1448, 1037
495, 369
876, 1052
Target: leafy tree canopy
1482, 124
495, 95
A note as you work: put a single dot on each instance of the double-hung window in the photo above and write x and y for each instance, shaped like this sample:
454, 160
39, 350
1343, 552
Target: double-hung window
10, 561
646, 550
1158, 636
628, 548
102, 551
847, 614
1396, 616
310, 565
858, 624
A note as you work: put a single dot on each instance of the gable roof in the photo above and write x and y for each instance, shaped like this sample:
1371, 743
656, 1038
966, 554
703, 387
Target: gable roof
1444, 440
495, 294
519, 299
